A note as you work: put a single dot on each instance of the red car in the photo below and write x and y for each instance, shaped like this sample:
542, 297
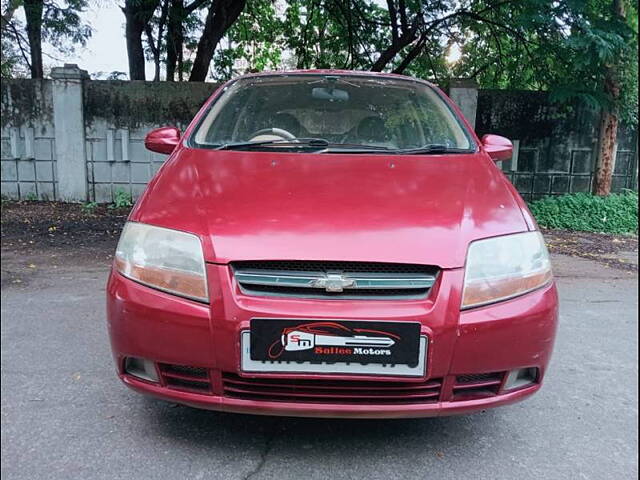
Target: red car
331, 244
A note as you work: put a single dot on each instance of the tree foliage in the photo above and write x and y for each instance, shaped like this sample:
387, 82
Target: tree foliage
601, 49
57, 22
253, 41
564, 46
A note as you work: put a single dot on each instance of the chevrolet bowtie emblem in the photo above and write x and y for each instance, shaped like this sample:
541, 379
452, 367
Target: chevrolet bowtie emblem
333, 282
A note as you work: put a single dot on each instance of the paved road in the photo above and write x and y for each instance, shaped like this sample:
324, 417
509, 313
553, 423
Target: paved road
66, 416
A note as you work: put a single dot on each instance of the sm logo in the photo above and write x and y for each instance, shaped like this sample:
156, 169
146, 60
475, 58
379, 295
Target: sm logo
297, 340
302, 342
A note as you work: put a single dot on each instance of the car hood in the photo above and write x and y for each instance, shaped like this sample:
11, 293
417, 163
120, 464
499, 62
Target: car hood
383, 208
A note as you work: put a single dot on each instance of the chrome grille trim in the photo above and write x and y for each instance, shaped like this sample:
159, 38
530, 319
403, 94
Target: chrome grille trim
306, 280
335, 280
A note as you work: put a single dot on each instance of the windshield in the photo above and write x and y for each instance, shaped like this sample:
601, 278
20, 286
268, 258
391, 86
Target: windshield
324, 111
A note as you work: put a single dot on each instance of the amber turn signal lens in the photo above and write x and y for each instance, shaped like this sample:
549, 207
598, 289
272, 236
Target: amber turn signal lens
489, 292
184, 283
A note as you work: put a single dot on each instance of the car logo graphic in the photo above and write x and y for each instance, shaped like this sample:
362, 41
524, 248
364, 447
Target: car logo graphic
333, 282
329, 334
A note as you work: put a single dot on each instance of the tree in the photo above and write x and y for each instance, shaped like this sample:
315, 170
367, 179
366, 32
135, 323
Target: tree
220, 16
513, 44
613, 72
33, 13
185, 31
137, 13
56, 23
155, 44
333, 33
405, 24
181, 20
411, 35
14, 46
599, 66
254, 38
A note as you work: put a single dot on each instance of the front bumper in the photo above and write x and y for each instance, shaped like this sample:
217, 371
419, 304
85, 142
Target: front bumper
482, 344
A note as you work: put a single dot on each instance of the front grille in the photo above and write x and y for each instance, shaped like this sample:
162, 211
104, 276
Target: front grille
478, 385
186, 378
334, 280
322, 266
331, 391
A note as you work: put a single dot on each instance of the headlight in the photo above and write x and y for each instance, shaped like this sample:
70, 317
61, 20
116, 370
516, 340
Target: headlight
504, 267
165, 259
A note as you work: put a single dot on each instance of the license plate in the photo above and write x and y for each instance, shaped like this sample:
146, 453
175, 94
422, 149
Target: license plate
344, 341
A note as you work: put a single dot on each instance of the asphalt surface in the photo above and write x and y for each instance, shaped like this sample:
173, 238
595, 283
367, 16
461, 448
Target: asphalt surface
65, 415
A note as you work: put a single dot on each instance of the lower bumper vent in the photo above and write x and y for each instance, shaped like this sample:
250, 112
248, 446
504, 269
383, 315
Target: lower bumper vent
331, 391
185, 378
479, 385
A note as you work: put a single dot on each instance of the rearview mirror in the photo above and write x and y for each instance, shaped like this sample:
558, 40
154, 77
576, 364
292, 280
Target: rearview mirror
499, 148
331, 94
162, 140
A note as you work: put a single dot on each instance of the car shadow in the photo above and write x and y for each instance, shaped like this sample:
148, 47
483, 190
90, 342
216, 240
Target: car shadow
240, 432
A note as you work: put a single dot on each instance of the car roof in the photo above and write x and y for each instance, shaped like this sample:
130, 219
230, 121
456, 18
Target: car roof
334, 72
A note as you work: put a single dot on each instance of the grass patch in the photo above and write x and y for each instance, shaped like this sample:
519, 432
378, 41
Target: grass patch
617, 213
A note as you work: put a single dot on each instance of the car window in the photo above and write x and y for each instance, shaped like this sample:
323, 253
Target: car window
339, 109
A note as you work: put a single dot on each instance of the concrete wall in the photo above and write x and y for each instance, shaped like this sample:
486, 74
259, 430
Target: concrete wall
117, 160
556, 147
28, 167
118, 116
70, 138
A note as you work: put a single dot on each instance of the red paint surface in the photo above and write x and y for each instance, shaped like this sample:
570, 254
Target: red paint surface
385, 208
382, 208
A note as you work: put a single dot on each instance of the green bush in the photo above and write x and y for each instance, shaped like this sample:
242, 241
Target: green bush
617, 213
89, 207
121, 199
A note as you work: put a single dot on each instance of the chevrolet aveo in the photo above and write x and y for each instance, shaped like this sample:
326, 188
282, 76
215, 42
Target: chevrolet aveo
331, 244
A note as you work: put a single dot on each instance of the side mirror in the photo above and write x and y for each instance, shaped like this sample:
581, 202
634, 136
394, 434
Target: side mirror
499, 148
162, 140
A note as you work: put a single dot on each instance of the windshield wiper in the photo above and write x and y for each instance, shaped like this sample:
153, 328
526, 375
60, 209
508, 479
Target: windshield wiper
326, 146
320, 143
431, 148
357, 147
298, 142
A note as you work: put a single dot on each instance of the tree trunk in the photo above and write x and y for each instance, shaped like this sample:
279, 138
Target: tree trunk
155, 50
33, 15
135, 52
608, 135
411, 56
221, 15
385, 57
408, 34
607, 146
175, 37
156, 44
137, 14
156, 66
